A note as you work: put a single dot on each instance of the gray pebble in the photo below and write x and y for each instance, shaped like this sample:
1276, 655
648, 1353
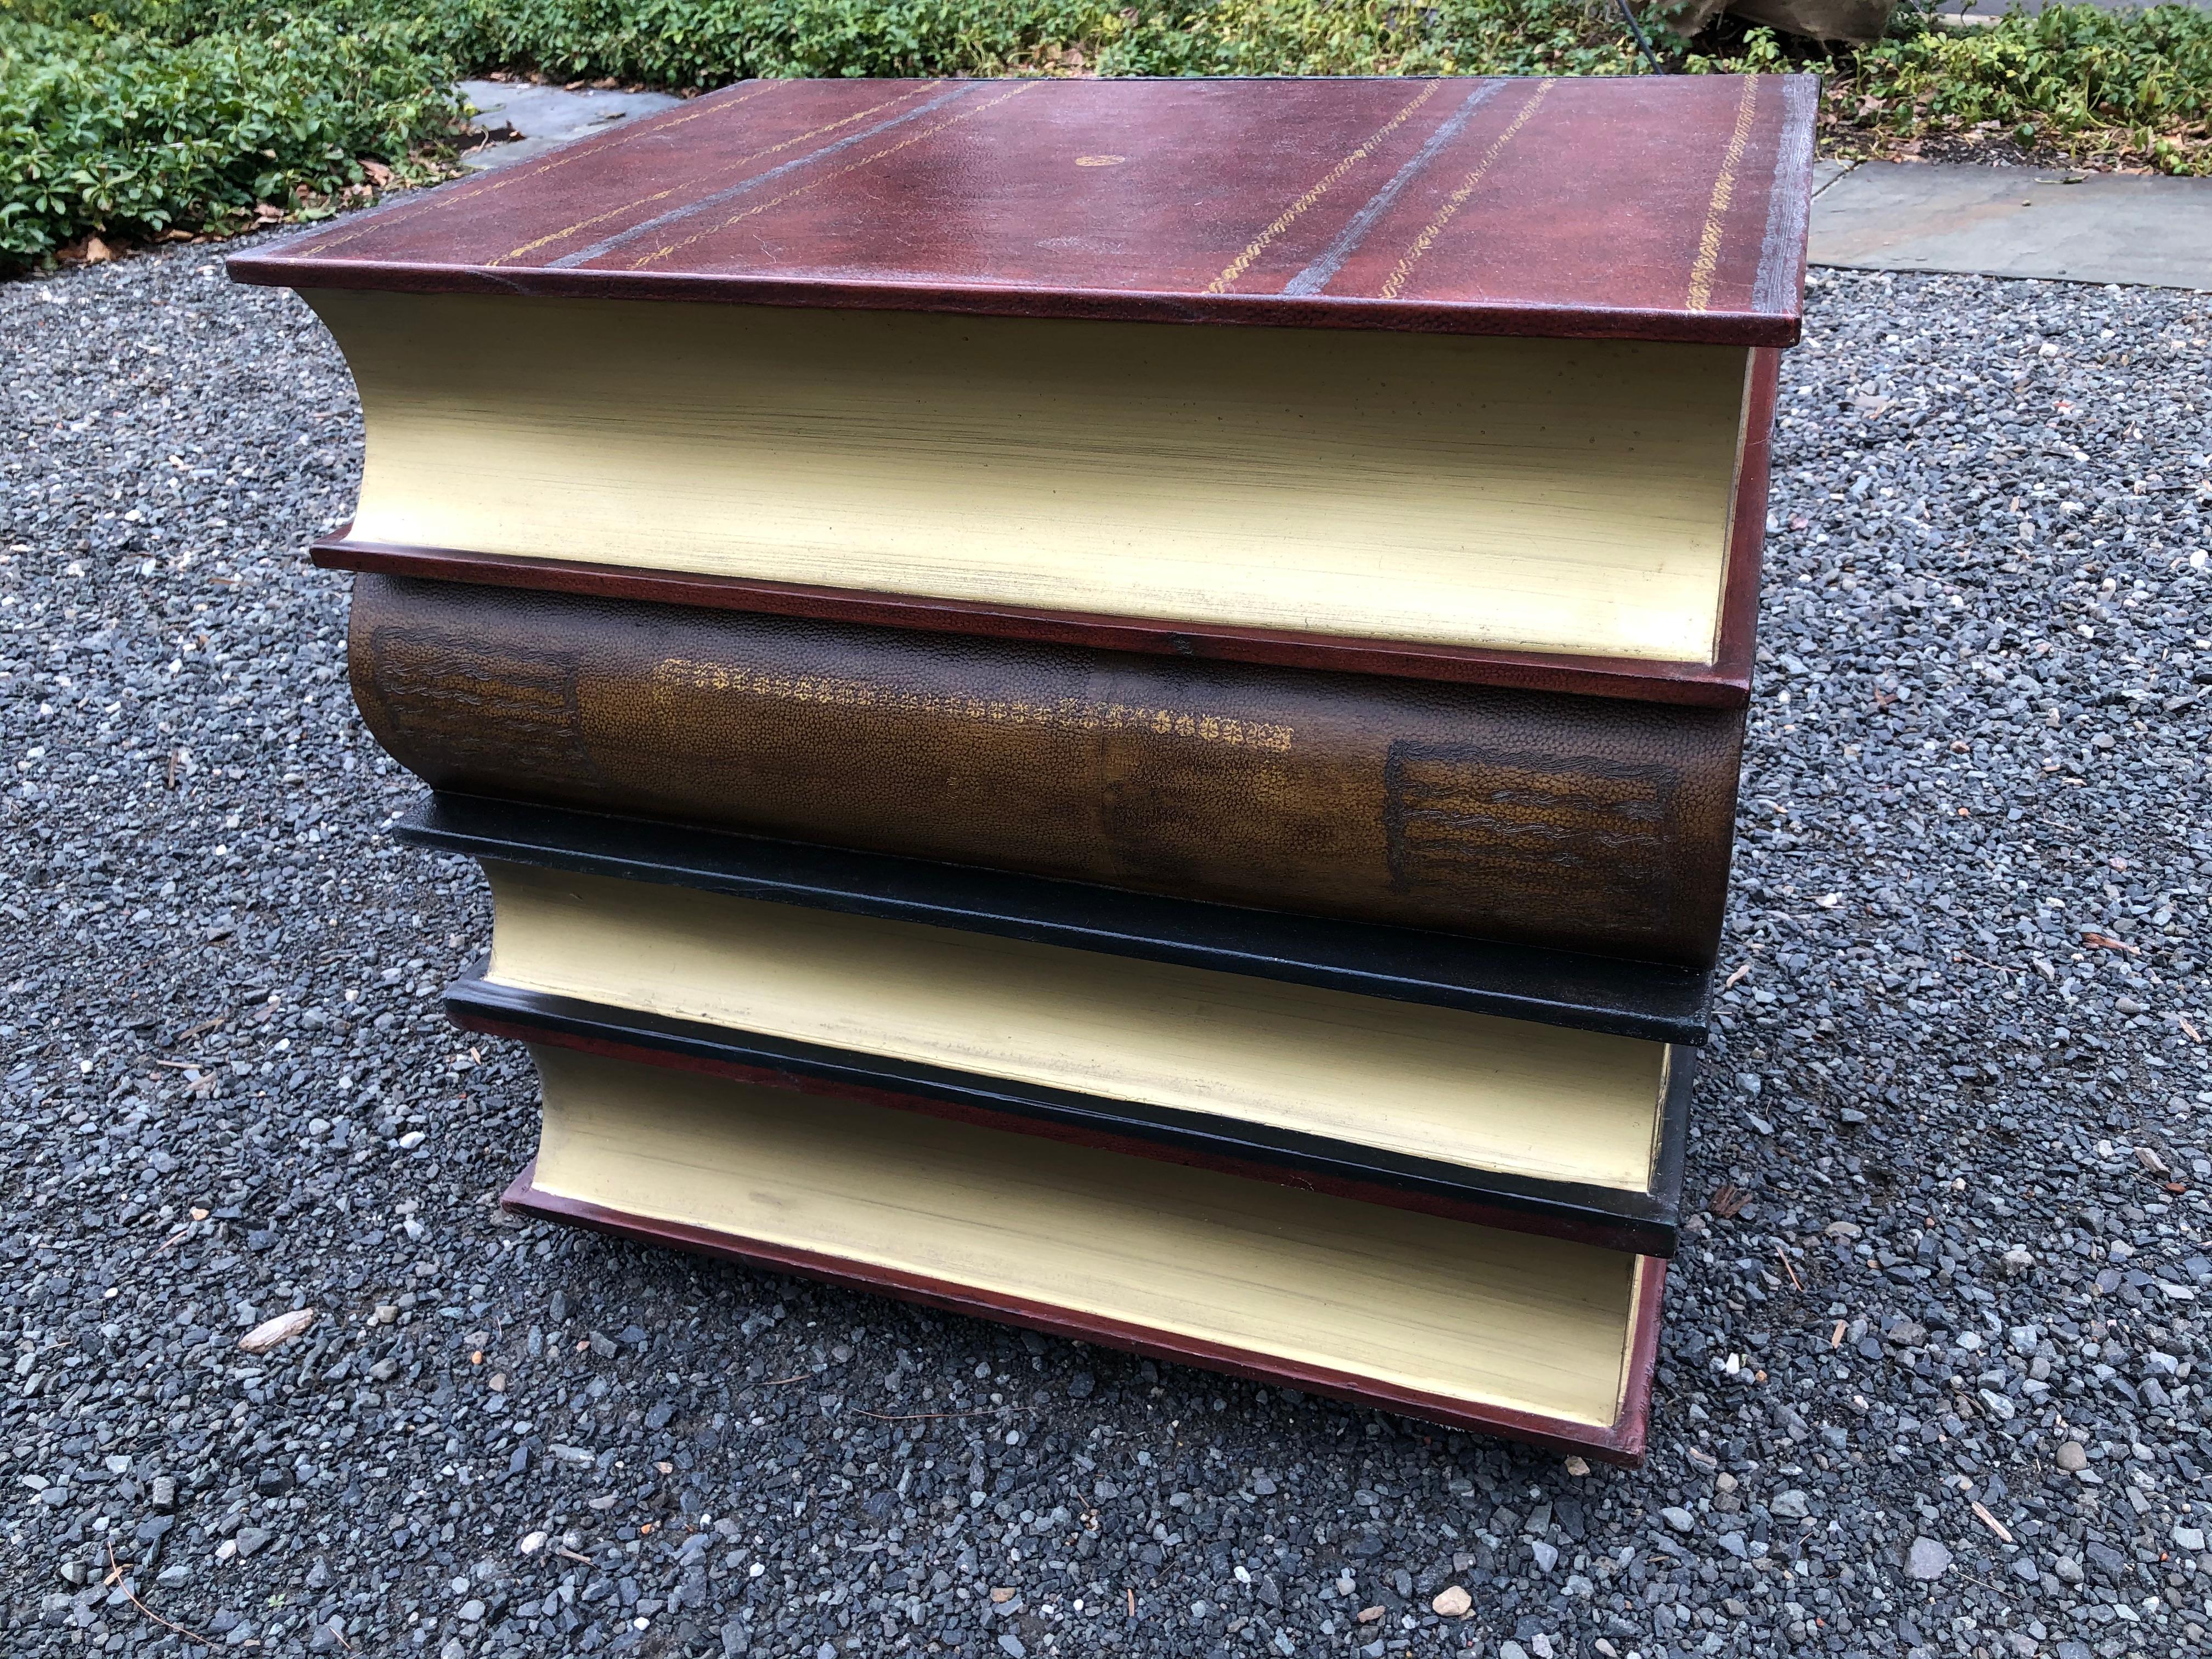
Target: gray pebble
1927, 1559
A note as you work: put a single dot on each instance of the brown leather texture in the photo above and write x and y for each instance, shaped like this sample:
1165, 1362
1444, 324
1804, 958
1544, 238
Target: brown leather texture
1579, 822
1661, 207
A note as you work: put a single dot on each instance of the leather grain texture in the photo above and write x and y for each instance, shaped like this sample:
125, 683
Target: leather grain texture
1584, 824
1460, 205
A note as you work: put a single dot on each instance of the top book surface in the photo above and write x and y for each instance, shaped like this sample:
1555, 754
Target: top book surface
1661, 208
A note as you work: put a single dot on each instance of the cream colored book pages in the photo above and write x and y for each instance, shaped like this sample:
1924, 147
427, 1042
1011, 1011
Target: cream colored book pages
1493, 1094
1541, 494
1465, 1312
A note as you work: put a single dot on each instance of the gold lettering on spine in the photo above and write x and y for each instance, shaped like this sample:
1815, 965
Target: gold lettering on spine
675, 674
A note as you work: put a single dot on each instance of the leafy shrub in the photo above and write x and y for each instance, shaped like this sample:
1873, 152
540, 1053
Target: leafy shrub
2073, 78
703, 43
709, 42
126, 133
2082, 79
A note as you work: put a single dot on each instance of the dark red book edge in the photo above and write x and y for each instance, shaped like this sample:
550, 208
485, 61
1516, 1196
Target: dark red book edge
1621, 1441
277, 269
1725, 682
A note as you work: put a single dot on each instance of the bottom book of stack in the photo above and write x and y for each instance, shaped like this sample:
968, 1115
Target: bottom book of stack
1473, 1326
1288, 1156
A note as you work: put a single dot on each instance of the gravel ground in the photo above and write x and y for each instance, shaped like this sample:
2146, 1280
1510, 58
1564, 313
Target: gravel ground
1933, 1379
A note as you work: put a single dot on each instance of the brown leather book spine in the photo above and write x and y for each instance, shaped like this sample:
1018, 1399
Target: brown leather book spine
1579, 822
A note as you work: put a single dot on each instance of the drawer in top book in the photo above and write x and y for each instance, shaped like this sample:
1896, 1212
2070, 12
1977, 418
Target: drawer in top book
1464, 379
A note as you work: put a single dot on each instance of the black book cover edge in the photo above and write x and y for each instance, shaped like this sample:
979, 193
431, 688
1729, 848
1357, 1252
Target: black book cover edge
1644, 1223
1618, 996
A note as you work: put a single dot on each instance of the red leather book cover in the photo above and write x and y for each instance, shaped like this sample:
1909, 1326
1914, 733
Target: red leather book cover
1663, 208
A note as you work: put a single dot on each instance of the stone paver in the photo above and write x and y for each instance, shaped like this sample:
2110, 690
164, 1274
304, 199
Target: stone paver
546, 117
2016, 221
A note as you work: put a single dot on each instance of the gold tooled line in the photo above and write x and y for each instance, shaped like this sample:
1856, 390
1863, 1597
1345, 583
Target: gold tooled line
1709, 243
1422, 243
1237, 267
732, 166
500, 181
1067, 714
663, 252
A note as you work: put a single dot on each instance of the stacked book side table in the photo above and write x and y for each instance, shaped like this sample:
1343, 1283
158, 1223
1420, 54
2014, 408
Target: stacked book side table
1109, 704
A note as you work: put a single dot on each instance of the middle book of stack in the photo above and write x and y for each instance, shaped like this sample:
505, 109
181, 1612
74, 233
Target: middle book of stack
1201, 829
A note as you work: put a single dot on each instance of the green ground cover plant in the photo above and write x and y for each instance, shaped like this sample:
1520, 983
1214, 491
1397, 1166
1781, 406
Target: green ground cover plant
132, 133
138, 119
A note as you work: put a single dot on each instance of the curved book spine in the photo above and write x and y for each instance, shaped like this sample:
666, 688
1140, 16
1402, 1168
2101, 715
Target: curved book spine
1576, 823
